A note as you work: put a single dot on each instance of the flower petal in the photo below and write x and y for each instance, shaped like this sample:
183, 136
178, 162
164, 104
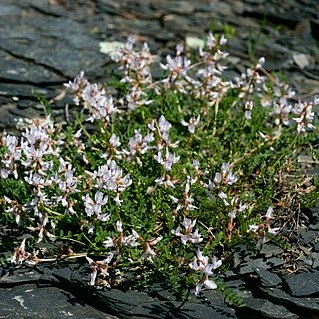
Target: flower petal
210, 284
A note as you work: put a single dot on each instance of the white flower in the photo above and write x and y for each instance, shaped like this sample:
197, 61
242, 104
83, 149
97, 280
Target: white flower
92, 94
131, 240
305, 115
201, 264
94, 207
164, 127
148, 254
273, 231
269, 213
177, 66
115, 141
225, 176
230, 178
100, 266
109, 242
119, 226
260, 63
168, 160
166, 181
188, 234
103, 109
192, 124
110, 177
78, 83
139, 144
253, 228
223, 196
12, 155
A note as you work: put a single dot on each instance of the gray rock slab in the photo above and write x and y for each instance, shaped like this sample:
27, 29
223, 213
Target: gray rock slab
248, 267
46, 302
304, 284
275, 262
303, 304
9, 10
268, 278
308, 236
267, 309
16, 70
59, 44
20, 276
12, 90
9, 115
148, 304
271, 250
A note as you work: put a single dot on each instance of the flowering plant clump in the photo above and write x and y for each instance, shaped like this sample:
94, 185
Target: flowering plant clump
164, 176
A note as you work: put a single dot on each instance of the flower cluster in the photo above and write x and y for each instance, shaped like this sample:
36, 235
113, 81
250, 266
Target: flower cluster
100, 106
304, 115
110, 177
121, 240
186, 203
266, 224
139, 145
99, 267
188, 234
13, 154
137, 73
202, 265
250, 84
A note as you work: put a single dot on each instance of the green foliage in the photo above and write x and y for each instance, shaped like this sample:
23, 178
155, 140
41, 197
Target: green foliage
230, 296
225, 28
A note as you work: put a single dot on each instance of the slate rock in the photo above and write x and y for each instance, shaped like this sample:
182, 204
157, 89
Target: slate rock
315, 214
179, 24
268, 279
19, 70
180, 7
310, 305
214, 300
315, 260
27, 113
19, 276
249, 267
314, 28
140, 304
275, 262
47, 302
25, 104
22, 90
236, 283
307, 236
67, 56
304, 284
9, 10
267, 309
270, 250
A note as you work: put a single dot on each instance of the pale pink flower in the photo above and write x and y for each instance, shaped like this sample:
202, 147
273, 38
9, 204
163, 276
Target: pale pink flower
192, 124
94, 207
201, 264
168, 160
100, 266
188, 234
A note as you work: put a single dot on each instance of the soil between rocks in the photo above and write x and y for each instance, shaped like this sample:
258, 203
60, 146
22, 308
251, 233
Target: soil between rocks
45, 43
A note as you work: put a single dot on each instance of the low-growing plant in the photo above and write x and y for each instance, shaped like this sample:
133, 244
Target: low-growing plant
164, 175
